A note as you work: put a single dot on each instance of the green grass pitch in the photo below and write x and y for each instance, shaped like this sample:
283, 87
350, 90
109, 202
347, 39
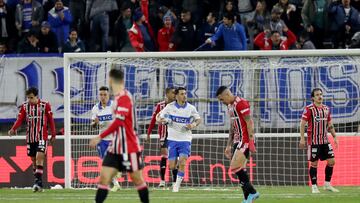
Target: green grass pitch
187, 195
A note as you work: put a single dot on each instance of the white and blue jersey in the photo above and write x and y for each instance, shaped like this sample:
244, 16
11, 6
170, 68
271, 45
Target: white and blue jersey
105, 116
179, 137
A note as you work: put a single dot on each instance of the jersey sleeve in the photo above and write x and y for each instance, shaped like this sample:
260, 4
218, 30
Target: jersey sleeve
306, 114
20, 118
194, 113
153, 119
164, 112
94, 112
243, 108
50, 119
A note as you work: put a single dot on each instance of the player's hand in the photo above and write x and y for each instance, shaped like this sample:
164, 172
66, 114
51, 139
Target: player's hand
94, 141
147, 140
52, 140
228, 152
11, 132
190, 126
302, 143
95, 122
252, 147
336, 143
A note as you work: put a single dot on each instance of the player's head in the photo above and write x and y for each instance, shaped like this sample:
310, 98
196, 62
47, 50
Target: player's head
317, 95
104, 95
116, 77
32, 95
170, 94
224, 95
180, 94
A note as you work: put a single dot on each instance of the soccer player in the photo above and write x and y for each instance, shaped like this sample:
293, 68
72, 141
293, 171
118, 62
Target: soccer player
125, 153
181, 117
162, 130
102, 117
38, 116
241, 139
318, 117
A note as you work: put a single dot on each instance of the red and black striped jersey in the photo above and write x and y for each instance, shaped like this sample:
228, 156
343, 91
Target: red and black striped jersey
162, 129
317, 118
237, 111
37, 116
125, 140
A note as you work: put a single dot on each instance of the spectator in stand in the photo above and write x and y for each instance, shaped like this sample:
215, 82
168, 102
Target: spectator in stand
276, 41
261, 18
60, 19
97, 13
184, 38
77, 10
344, 23
232, 33
29, 14
230, 7
195, 8
141, 34
165, 33
5, 22
121, 27
246, 10
29, 44
305, 42
290, 15
3, 48
315, 20
207, 30
47, 39
276, 24
73, 43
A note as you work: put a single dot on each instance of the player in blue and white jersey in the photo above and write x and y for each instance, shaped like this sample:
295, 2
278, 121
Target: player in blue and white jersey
181, 117
101, 115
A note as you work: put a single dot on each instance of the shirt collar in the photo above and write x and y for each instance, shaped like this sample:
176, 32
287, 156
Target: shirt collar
179, 106
107, 104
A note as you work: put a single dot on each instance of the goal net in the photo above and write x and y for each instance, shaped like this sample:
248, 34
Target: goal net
277, 84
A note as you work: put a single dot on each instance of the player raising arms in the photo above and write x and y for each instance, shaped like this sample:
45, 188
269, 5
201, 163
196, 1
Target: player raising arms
181, 117
38, 116
162, 130
101, 115
125, 153
241, 138
318, 117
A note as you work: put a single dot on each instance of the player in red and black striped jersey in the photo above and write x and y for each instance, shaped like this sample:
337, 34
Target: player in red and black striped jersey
241, 137
125, 153
38, 116
162, 130
318, 117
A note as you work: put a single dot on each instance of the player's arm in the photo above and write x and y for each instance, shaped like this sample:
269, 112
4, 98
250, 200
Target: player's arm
152, 122
51, 121
302, 134
331, 129
229, 141
250, 128
18, 122
94, 118
197, 119
160, 117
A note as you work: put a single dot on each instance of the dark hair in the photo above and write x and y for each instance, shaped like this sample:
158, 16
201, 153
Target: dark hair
274, 31
73, 30
103, 88
177, 90
185, 11
32, 90
168, 89
315, 90
117, 74
213, 14
230, 16
220, 90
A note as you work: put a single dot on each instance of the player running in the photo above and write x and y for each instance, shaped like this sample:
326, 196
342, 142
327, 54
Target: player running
101, 115
125, 153
38, 116
318, 117
181, 117
241, 139
162, 130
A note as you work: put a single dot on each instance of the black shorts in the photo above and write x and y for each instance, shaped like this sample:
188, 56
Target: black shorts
124, 162
163, 143
33, 148
243, 147
322, 152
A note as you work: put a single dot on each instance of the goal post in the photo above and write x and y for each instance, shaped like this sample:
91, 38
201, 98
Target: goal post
277, 84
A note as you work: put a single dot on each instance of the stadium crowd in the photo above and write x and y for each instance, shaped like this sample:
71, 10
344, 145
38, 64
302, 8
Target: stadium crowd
57, 26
